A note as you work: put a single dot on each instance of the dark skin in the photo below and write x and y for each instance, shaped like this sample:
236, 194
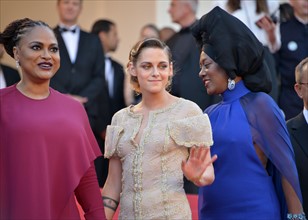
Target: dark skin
215, 80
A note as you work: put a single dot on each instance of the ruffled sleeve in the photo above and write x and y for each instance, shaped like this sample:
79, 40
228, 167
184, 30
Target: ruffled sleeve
195, 130
113, 134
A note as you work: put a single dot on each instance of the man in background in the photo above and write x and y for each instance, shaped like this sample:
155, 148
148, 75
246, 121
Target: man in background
8, 75
186, 82
294, 48
298, 129
107, 32
81, 74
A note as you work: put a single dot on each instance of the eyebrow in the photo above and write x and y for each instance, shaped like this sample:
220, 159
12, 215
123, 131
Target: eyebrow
40, 43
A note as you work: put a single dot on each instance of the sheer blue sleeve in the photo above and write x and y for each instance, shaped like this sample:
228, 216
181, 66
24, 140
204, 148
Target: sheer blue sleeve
269, 132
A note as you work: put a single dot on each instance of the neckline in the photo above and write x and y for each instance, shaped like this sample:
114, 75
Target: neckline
33, 99
239, 91
156, 111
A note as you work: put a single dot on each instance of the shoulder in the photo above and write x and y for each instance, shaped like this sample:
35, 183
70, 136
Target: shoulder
5, 67
7, 91
88, 35
258, 98
118, 66
260, 104
64, 99
121, 113
296, 120
189, 103
116, 63
288, 24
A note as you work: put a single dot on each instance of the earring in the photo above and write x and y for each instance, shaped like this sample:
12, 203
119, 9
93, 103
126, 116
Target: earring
231, 84
17, 64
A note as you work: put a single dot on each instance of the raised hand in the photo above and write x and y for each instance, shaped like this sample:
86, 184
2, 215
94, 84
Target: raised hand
199, 166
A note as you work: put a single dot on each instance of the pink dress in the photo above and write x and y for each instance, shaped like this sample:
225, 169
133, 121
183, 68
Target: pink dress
47, 150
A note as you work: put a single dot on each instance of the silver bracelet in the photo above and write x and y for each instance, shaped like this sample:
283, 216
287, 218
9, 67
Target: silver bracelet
300, 216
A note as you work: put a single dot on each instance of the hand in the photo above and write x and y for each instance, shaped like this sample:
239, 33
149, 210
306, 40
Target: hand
199, 166
79, 99
269, 26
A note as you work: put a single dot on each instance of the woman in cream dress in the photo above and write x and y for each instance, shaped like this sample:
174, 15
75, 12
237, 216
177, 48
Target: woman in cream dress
152, 144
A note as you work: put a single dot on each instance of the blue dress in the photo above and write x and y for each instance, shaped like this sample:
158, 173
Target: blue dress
242, 188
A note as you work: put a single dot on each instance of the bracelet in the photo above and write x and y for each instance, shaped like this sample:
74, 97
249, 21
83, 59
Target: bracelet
300, 216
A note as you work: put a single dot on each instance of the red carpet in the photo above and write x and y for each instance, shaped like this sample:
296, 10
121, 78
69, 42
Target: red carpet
193, 201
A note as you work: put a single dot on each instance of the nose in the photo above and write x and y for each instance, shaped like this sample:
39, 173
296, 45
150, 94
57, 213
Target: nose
202, 72
46, 54
155, 72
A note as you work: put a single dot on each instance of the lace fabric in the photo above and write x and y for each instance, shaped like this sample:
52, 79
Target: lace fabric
152, 179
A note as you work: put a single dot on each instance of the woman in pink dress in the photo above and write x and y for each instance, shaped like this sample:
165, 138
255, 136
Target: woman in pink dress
46, 144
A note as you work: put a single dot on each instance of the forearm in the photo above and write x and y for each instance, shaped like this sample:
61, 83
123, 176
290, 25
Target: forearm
88, 195
293, 203
112, 188
111, 200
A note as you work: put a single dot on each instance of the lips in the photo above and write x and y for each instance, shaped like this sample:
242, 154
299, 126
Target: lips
206, 81
45, 65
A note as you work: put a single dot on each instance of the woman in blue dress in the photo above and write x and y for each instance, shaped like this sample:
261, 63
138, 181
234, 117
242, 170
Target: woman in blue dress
256, 176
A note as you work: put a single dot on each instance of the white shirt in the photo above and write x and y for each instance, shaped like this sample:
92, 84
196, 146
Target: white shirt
71, 41
247, 14
109, 75
305, 112
2, 79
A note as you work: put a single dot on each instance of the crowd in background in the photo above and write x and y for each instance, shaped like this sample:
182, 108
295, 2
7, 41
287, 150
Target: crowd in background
91, 76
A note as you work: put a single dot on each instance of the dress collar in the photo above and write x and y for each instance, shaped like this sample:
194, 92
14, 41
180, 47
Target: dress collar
239, 91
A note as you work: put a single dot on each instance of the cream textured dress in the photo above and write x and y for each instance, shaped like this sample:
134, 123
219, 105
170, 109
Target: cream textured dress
152, 178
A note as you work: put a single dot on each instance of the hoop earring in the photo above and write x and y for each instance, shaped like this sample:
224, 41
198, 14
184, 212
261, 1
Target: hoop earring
17, 64
231, 84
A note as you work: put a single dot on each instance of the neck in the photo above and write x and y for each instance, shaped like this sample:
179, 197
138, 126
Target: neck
34, 91
303, 19
68, 23
188, 21
157, 101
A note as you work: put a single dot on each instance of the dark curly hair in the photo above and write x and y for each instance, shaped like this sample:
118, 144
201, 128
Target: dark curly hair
12, 34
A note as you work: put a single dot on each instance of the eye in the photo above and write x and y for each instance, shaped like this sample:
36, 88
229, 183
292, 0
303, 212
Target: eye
163, 66
54, 49
35, 47
146, 66
205, 66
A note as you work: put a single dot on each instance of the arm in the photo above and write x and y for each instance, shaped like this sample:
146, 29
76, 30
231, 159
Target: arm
272, 32
113, 187
88, 195
199, 166
293, 203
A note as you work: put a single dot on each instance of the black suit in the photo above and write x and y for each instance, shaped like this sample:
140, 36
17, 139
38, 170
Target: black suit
108, 106
85, 77
117, 101
298, 129
11, 75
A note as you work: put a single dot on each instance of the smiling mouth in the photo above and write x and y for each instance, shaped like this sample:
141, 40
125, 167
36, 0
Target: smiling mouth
45, 66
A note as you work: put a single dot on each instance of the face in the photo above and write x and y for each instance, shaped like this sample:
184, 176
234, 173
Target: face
300, 8
110, 40
148, 33
213, 76
177, 10
301, 88
38, 55
69, 11
153, 70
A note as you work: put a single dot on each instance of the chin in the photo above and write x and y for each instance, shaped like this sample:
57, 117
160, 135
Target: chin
210, 92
